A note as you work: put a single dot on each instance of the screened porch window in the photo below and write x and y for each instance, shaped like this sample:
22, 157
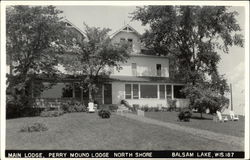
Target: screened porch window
162, 91
169, 91
128, 90
135, 91
148, 91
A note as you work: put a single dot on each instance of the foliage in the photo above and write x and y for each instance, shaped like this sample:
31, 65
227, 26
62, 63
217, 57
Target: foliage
204, 96
35, 127
34, 37
171, 104
52, 113
103, 113
73, 106
126, 104
192, 37
185, 114
92, 57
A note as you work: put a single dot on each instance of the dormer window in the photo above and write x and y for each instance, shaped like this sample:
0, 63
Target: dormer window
122, 40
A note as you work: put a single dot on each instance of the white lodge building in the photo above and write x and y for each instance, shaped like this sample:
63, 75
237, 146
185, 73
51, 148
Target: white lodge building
143, 80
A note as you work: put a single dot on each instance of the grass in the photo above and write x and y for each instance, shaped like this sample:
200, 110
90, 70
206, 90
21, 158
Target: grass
234, 128
83, 131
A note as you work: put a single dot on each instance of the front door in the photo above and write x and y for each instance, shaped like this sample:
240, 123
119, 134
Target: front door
107, 94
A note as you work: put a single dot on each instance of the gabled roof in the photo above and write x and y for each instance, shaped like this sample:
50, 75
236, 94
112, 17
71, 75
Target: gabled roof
74, 26
126, 28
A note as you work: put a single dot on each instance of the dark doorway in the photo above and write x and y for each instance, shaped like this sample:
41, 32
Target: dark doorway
107, 94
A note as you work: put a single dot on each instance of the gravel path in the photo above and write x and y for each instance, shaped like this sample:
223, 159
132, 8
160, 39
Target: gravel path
231, 140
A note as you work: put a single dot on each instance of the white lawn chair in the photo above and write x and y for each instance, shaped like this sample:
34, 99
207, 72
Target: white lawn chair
220, 117
91, 107
233, 116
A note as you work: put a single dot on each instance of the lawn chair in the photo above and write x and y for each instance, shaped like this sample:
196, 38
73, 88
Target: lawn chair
91, 107
220, 117
233, 116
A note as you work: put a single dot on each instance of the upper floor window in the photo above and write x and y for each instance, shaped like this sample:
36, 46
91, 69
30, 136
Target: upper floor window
134, 69
158, 69
130, 42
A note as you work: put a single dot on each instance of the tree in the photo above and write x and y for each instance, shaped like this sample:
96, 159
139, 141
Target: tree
34, 36
92, 58
192, 36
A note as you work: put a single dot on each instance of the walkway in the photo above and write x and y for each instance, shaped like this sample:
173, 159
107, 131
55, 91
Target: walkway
231, 140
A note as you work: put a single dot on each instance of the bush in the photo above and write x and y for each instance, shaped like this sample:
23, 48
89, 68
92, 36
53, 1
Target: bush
113, 107
126, 104
145, 108
185, 115
73, 106
104, 113
51, 113
35, 127
171, 104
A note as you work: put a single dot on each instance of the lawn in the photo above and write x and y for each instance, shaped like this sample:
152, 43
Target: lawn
83, 131
234, 128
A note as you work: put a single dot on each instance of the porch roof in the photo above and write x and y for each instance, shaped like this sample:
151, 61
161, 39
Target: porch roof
144, 79
112, 78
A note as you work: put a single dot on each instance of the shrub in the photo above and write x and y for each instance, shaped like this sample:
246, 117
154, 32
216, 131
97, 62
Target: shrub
156, 109
185, 114
73, 106
113, 107
104, 113
145, 108
54, 113
135, 107
35, 127
171, 104
126, 104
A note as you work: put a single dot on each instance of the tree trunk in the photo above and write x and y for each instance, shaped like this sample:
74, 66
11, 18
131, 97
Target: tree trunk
90, 95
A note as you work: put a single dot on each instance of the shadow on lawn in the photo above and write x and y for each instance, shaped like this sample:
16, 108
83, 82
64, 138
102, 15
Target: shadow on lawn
201, 118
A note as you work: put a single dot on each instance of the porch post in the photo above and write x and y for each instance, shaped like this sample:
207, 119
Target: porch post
81, 94
102, 93
32, 87
172, 88
73, 89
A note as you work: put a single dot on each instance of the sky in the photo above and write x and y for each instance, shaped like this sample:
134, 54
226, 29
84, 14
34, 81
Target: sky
114, 17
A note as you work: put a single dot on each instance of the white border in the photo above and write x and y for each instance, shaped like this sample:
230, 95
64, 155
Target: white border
122, 3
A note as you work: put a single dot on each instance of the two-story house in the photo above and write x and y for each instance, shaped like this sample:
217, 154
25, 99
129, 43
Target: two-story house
143, 80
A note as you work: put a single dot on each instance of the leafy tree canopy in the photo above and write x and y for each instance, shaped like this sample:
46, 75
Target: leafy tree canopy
94, 56
192, 36
34, 36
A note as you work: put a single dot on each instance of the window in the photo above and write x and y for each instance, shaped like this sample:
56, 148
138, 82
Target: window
158, 69
178, 93
130, 42
148, 91
122, 40
162, 91
169, 91
67, 91
128, 91
135, 91
134, 69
